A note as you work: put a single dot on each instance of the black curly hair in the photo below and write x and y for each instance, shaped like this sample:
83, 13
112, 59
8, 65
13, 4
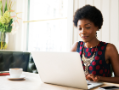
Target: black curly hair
89, 12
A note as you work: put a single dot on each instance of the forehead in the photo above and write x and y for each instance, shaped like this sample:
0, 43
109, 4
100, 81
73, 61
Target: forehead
83, 22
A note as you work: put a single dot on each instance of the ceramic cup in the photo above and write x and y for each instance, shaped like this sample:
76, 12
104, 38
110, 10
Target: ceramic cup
15, 72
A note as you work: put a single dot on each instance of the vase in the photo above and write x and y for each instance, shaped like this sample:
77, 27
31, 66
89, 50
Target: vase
3, 40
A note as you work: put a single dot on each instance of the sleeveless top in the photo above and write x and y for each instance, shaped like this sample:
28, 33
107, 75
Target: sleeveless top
98, 66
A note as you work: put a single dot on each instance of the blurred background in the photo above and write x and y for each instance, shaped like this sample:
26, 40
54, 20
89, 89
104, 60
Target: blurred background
47, 25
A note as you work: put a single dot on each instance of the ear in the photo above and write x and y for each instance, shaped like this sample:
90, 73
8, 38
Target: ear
97, 28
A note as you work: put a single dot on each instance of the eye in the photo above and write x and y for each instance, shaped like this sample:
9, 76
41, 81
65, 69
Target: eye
87, 27
80, 28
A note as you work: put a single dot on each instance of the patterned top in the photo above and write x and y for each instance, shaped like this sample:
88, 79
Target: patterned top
98, 66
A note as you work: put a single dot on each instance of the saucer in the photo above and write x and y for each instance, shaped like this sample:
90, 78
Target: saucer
20, 78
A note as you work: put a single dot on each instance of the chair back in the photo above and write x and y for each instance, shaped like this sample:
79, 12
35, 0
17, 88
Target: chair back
12, 59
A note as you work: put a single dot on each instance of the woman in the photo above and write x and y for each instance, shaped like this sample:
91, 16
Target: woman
97, 56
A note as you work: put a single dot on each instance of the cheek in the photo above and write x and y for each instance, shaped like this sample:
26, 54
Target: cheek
79, 33
92, 32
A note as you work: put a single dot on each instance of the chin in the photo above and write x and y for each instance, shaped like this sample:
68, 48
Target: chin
85, 41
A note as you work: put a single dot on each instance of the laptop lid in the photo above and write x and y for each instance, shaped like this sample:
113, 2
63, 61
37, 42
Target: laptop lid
61, 68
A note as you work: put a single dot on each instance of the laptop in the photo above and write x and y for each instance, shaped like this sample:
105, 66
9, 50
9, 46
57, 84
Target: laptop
62, 68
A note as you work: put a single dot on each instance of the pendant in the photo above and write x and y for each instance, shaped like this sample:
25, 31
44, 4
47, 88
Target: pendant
87, 62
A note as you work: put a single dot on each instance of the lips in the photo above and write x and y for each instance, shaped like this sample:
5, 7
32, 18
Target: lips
84, 37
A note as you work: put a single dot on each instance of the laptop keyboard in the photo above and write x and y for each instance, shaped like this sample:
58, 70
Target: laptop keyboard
88, 84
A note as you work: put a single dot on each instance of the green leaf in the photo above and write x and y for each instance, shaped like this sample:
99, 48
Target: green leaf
11, 21
8, 28
1, 8
5, 9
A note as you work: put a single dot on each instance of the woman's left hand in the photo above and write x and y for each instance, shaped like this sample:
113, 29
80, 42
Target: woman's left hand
92, 77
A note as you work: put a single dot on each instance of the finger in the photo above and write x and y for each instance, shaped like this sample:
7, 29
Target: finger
86, 74
92, 77
97, 78
89, 77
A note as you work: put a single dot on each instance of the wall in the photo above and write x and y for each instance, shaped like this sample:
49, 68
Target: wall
110, 29
108, 33
17, 39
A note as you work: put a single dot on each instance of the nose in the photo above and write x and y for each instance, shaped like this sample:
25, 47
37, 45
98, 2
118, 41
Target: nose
83, 31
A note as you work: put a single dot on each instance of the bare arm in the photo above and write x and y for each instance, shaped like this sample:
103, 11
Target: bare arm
112, 54
74, 47
111, 51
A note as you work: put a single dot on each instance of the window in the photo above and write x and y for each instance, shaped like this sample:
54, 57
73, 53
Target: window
47, 25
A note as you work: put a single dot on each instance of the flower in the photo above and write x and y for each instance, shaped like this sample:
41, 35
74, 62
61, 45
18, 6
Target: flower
6, 19
2, 20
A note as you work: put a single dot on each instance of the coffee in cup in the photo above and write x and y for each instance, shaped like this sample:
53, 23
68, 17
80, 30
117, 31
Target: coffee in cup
15, 72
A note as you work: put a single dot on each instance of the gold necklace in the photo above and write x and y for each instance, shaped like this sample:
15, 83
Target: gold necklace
87, 61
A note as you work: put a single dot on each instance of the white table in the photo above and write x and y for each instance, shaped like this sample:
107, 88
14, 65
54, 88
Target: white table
33, 82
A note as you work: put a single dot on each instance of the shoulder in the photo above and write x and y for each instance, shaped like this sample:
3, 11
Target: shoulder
110, 47
74, 47
76, 43
111, 50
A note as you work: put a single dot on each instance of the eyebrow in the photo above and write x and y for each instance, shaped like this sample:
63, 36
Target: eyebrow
85, 24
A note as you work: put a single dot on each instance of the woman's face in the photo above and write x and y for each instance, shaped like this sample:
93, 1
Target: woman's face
87, 30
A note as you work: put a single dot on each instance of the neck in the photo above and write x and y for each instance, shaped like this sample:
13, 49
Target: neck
92, 43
